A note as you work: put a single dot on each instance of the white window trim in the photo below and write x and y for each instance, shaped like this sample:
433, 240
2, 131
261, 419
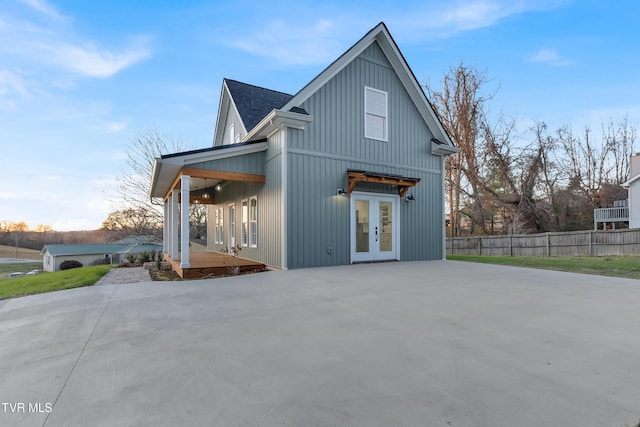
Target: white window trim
386, 116
218, 237
232, 224
244, 235
253, 244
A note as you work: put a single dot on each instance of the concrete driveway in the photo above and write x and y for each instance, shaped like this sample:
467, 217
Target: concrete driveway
395, 344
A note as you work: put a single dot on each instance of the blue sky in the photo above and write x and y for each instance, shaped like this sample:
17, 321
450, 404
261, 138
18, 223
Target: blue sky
79, 79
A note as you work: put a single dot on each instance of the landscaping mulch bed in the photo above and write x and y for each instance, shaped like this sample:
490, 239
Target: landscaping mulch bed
170, 275
164, 275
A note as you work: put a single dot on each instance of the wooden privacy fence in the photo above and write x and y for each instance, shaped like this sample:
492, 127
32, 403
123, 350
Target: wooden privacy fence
575, 243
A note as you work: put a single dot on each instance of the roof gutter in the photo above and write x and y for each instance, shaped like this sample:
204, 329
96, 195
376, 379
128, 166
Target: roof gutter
439, 148
277, 120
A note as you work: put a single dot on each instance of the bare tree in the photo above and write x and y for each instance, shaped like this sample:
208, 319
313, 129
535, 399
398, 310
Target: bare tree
132, 186
198, 220
586, 160
594, 166
460, 106
518, 183
620, 140
133, 221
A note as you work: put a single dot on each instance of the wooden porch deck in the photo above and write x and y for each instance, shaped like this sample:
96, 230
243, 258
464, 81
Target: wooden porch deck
203, 264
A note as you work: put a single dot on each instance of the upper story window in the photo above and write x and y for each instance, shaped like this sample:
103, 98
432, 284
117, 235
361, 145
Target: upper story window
232, 136
232, 133
375, 114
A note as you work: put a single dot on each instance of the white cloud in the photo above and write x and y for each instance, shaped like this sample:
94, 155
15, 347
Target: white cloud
311, 38
12, 86
477, 14
11, 82
315, 43
49, 39
446, 19
94, 62
9, 195
550, 57
116, 125
43, 7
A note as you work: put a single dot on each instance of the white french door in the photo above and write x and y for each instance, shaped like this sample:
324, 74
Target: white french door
374, 227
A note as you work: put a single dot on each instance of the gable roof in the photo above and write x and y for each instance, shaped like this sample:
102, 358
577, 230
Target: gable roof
71, 249
122, 246
381, 35
253, 103
139, 240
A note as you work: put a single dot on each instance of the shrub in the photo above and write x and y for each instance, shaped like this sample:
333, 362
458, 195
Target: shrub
69, 264
143, 257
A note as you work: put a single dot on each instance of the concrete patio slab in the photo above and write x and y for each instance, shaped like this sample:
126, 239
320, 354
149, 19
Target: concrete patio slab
423, 343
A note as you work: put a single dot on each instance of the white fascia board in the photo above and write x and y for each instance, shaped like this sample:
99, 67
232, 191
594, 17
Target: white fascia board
226, 103
229, 151
403, 71
443, 150
277, 120
165, 171
632, 180
221, 106
155, 176
400, 66
334, 68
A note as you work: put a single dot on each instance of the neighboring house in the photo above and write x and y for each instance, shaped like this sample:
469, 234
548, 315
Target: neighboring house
349, 169
111, 253
633, 185
623, 210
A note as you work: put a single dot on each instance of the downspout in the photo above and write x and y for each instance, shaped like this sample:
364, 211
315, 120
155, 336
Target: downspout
444, 223
283, 191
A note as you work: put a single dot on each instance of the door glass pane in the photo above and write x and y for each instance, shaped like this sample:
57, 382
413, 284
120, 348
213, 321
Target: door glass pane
385, 227
362, 226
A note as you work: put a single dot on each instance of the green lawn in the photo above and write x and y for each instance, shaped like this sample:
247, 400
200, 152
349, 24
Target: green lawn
47, 282
617, 266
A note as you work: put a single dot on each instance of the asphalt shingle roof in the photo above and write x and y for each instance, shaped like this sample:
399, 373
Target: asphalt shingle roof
254, 102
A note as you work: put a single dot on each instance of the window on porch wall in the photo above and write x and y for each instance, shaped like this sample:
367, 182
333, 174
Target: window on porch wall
219, 226
253, 222
244, 230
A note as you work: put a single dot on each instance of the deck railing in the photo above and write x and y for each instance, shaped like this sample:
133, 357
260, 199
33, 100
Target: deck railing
610, 215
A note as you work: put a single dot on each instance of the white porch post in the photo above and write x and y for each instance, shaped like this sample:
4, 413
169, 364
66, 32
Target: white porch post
184, 222
173, 236
165, 228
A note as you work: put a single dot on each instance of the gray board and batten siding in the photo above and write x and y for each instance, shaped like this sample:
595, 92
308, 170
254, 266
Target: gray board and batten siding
318, 159
269, 163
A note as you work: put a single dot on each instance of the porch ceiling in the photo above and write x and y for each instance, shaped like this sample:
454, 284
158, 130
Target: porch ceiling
207, 179
403, 182
167, 169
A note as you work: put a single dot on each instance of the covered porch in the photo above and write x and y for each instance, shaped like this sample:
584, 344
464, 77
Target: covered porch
189, 178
